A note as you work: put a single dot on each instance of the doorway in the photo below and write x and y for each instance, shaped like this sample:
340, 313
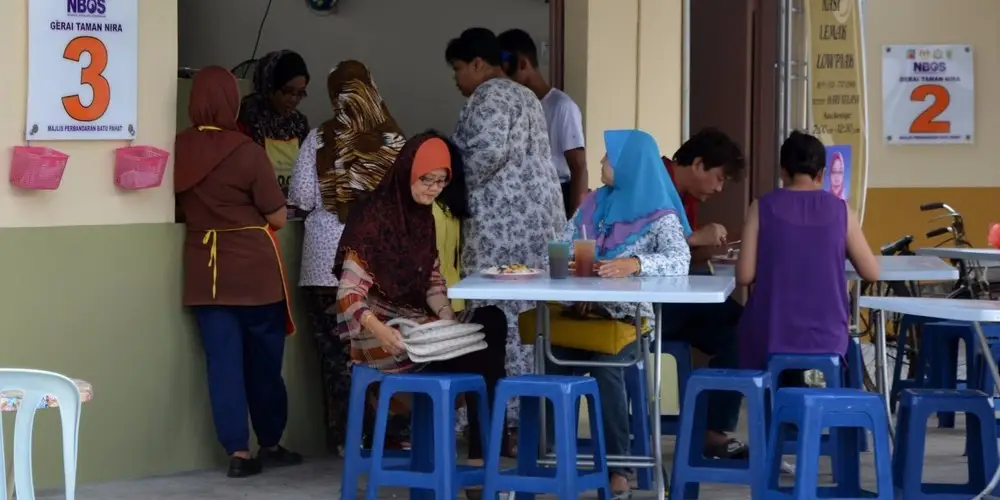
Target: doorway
733, 88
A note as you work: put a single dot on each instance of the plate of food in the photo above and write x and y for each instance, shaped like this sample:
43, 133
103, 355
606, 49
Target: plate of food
512, 272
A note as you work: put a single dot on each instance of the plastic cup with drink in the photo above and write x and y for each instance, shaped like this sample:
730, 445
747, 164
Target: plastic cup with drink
584, 251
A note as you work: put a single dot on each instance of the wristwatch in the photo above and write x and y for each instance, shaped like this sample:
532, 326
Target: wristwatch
638, 266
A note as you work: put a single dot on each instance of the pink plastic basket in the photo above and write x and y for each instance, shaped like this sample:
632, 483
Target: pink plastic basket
34, 167
140, 167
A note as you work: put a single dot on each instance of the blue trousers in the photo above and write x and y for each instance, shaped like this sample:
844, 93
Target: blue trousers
614, 402
244, 347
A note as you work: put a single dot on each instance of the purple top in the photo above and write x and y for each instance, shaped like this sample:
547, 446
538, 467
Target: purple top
799, 302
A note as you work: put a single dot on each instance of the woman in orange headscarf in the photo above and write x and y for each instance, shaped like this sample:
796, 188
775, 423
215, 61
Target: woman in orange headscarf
232, 203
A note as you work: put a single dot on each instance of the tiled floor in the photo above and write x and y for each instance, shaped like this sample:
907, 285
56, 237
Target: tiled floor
319, 479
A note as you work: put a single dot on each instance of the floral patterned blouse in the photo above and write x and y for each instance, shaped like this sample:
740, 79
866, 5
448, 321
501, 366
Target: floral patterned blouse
323, 229
663, 251
355, 296
514, 191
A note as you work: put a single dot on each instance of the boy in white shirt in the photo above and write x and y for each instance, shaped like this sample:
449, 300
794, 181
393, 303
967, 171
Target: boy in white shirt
565, 122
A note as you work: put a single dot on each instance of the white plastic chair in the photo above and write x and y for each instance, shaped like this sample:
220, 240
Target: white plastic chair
36, 385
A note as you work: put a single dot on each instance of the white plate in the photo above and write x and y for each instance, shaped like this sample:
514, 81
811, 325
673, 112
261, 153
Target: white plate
435, 348
478, 346
494, 272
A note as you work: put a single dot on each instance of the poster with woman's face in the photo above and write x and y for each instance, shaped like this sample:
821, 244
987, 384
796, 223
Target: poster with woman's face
837, 175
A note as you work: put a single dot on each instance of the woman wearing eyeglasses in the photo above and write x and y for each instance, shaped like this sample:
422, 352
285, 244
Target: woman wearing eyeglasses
270, 116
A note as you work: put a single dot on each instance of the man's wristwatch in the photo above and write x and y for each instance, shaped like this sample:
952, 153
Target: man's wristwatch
638, 266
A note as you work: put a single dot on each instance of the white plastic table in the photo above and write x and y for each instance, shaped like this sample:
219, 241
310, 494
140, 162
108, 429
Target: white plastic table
658, 291
891, 268
985, 256
975, 311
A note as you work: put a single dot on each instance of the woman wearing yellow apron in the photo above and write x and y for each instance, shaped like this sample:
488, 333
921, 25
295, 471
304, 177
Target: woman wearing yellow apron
269, 115
234, 281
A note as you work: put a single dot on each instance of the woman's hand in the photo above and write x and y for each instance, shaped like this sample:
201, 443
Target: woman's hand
619, 268
390, 338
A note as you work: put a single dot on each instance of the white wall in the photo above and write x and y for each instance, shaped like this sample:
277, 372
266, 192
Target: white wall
402, 42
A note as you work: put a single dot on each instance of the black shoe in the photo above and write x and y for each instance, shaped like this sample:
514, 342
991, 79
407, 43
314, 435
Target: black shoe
243, 467
278, 457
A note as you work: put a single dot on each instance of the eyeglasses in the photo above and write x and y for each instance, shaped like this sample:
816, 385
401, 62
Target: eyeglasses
434, 181
290, 92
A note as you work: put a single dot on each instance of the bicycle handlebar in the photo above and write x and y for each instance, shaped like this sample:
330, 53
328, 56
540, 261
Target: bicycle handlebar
926, 207
934, 233
894, 247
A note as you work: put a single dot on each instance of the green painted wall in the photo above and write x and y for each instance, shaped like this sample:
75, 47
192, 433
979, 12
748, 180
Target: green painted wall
102, 303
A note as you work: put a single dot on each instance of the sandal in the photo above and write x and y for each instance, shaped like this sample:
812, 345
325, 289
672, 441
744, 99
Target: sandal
732, 449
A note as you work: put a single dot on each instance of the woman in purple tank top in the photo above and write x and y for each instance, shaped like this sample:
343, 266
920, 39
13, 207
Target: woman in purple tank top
795, 242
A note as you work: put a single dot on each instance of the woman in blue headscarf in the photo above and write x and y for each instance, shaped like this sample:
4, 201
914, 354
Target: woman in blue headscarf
638, 223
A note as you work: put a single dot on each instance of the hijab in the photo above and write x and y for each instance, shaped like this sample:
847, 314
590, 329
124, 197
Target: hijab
617, 216
360, 142
257, 113
213, 136
392, 234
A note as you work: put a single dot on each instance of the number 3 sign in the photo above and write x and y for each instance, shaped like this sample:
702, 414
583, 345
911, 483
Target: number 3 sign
82, 69
928, 94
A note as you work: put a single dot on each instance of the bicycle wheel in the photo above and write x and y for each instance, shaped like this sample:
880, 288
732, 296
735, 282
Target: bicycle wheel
893, 323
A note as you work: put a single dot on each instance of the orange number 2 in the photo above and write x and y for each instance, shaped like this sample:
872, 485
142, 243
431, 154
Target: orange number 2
927, 122
92, 76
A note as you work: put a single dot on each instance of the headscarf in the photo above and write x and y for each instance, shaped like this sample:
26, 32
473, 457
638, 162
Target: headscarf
257, 114
213, 136
617, 216
360, 142
393, 235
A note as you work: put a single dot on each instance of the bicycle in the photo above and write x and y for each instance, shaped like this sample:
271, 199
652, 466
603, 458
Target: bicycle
900, 247
972, 282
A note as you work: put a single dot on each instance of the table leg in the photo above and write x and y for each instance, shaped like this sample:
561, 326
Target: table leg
541, 337
855, 327
10, 479
659, 482
991, 365
881, 365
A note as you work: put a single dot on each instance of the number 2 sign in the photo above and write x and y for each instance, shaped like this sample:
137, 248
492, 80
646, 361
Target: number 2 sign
928, 94
82, 70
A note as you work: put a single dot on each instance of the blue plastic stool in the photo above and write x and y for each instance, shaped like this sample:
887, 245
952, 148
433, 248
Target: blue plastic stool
938, 367
916, 405
812, 410
691, 467
529, 478
433, 467
898, 382
829, 366
357, 459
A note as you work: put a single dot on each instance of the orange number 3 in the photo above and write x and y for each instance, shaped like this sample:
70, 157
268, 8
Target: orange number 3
92, 75
927, 122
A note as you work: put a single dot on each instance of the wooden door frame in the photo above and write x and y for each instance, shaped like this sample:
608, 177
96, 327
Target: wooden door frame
763, 146
557, 38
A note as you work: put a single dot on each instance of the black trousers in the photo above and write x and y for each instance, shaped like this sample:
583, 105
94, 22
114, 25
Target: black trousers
567, 191
489, 362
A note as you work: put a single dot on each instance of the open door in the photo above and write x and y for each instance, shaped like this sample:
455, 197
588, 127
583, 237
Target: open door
721, 94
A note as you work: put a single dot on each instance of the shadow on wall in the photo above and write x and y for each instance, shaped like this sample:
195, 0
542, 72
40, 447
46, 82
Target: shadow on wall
402, 42
102, 303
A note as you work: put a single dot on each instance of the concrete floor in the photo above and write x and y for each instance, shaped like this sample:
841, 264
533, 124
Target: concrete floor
319, 478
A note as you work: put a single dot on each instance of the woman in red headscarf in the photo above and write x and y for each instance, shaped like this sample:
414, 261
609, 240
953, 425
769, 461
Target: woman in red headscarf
233, 277
388, 266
